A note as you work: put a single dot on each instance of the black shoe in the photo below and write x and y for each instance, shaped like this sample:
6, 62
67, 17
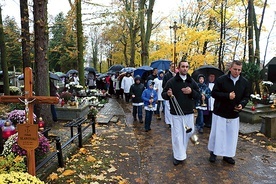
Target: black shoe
141, 121
213, 157
176, 162
229, 160
134, 119
146, 130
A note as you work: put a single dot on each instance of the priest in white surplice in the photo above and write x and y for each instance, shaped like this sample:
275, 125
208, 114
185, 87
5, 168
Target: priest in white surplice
231, 93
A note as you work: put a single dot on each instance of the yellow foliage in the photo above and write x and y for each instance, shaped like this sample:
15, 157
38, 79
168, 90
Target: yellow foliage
124, 154
83, 151
271, 148
53, 176
68, 172
112, 169
90, 158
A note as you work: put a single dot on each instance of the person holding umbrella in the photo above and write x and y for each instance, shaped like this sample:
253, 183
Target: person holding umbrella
127, 81
136, 91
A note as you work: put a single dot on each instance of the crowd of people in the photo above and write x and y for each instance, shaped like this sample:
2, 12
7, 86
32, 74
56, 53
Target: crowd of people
216, 101
175, 93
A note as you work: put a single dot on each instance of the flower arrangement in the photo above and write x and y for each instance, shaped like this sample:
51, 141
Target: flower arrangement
255, 98
12, 163
66, 96
11, 146
14, 90
18, 116
79, 87
19, 177
93, 111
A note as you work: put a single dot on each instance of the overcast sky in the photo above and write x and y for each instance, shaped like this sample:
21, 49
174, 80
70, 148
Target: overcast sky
166, 7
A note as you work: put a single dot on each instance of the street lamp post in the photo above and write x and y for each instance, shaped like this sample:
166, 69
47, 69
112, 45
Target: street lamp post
174, 27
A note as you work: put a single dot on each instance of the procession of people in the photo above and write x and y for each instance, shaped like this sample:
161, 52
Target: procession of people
189, 104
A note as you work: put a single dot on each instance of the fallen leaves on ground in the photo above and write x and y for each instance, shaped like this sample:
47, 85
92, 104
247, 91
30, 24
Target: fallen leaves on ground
95, 163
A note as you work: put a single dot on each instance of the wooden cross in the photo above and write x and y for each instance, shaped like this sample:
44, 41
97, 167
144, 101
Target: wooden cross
28, 99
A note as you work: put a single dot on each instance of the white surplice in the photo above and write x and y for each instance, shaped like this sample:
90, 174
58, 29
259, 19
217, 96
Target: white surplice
168, 116
180, 138
223, 138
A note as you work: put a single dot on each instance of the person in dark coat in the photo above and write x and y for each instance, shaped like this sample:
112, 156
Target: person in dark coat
53, 92
170, 74
153, 75
136, 91
207, 115
201, 104
231, 93
181, 91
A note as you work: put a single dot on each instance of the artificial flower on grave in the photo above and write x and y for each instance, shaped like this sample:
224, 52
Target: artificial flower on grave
11, 146
19, 177
18, 116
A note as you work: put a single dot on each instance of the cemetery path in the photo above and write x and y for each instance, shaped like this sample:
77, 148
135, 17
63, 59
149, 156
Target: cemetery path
123, 152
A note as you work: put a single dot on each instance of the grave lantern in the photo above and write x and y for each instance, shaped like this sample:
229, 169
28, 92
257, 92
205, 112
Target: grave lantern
41, 124
7, 130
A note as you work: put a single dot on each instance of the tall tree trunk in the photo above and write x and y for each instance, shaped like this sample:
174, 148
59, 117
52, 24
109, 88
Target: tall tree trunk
222, 36
4, 64
132, 33
144, 53
245, 30
25, 33
41, 63
80, 44
258, 33
145, 33
250, 32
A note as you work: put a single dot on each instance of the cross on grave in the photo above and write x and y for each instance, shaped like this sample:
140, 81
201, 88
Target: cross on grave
28, 132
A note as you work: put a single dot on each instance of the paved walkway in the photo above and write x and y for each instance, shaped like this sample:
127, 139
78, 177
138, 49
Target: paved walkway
146, 157
254, 164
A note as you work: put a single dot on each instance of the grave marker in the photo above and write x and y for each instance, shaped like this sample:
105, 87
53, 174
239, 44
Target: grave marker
28, 137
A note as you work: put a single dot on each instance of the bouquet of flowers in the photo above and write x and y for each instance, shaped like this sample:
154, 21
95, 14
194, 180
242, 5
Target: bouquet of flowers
66, 96
11, 145
18, 116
